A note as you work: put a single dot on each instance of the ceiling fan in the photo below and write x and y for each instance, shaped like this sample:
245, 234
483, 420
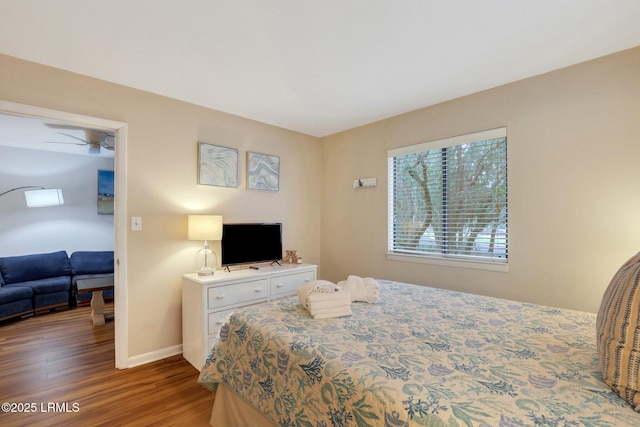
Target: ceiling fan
95, 139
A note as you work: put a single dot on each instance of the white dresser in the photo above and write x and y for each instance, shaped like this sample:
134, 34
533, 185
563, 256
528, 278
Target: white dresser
208, 300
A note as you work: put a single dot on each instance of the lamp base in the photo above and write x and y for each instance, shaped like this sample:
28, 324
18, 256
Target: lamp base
205, 272
206, 261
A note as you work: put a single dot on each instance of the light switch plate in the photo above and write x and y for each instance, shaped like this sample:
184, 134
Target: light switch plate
136, 223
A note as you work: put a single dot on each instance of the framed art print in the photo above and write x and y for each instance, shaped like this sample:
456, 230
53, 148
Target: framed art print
105, 192
263, 172
217, 165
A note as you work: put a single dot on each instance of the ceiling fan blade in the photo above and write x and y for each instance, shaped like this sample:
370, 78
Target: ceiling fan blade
106, 133
75, 137
68, 143
94, 139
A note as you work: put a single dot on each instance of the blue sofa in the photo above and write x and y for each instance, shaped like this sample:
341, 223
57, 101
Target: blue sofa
33, 284
48, 276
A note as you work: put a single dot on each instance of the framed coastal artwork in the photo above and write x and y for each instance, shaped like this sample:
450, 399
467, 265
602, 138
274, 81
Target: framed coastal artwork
105, 192
263, 172
217, 165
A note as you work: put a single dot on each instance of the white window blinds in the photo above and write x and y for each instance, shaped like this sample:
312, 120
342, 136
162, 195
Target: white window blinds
448, 198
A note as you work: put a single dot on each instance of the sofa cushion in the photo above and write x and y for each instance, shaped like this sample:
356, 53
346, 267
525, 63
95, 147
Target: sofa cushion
51, 299
1, 280
91, 262
49, 285
9, 294
16, 308
617, 329
27, 268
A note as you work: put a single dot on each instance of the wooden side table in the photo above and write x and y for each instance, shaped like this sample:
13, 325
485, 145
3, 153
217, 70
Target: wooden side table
96, 285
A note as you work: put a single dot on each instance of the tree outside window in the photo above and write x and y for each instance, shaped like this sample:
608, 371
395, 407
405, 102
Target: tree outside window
451, 200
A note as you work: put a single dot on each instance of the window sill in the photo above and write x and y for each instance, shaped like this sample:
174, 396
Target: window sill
448, 262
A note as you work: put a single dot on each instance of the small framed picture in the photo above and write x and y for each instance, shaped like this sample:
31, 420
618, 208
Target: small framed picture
217, 165
105, 192
263, 172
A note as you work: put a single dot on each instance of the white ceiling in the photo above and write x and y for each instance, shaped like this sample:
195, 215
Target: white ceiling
317, 67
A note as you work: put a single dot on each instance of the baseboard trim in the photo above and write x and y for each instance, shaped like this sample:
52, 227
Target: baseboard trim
153, 356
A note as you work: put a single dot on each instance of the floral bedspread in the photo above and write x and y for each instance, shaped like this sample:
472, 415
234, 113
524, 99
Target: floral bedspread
419, 357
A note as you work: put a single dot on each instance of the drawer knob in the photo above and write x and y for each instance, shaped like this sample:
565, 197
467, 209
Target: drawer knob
220, 296
278, 285
258, 290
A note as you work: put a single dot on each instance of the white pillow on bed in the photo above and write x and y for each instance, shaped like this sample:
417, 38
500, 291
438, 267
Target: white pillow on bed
618, 333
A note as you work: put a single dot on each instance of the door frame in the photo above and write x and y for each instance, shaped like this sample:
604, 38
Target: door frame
120, 211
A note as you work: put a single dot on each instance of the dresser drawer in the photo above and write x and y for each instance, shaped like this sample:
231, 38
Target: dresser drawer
216, 320
239, 293
287, 284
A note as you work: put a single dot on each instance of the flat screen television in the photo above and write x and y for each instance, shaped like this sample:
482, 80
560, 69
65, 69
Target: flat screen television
251, 243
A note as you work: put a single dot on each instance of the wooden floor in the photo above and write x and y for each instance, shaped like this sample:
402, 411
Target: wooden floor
62, 368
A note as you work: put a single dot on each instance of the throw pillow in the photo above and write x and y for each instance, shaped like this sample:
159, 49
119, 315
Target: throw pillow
618, 333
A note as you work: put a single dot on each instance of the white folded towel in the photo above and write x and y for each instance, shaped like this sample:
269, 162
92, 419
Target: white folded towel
323, 287
317, 306
362, 290
324, 299
318, 297
328, 313
326, 308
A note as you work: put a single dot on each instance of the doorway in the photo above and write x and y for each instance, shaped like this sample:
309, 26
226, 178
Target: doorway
120, 130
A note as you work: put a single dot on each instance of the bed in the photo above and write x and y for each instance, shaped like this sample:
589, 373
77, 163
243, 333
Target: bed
420, 356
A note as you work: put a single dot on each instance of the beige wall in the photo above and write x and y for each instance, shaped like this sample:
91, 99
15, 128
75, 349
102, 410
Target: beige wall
161, 184
574, 141
573, 151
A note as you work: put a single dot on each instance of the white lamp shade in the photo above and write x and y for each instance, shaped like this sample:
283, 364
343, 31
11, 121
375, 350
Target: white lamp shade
205, 227
46, 197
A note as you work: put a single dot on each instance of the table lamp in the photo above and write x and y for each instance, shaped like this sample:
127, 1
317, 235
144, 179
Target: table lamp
205, 227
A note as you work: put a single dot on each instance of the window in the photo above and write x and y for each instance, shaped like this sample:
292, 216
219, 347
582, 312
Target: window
448, 198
